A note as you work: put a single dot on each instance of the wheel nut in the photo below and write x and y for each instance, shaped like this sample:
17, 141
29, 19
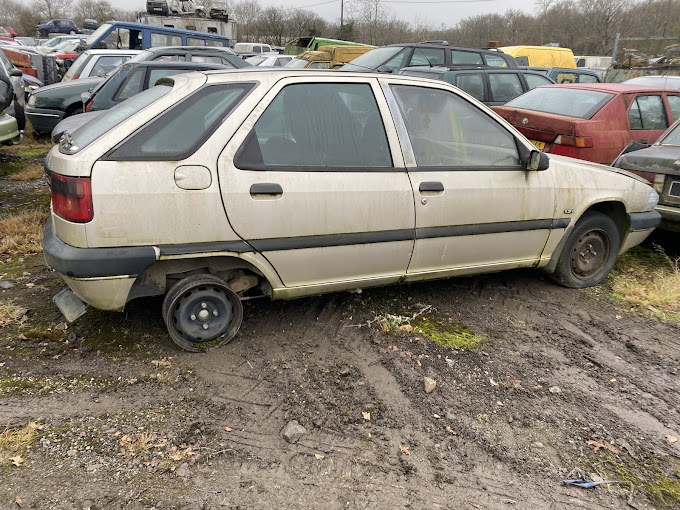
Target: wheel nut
205, 325
215, 313
203, 305
193, 317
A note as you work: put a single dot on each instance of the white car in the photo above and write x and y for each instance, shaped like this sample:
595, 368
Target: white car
212, 187
97, 63
270, 60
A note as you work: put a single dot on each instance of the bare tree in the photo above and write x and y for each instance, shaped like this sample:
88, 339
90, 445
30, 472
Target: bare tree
52, 9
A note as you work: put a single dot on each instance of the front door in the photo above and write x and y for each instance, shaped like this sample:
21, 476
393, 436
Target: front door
313, 181
476, 205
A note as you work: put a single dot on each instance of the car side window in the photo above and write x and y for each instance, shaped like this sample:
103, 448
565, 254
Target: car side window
504, 86
446, 131
534, 81
472, 83
158, 40
206, 58
178, 132
106, 64
647, 112
192, 41
566, 78
116, 40
674, 103
157, 74
257, 49
587, 78
132, 86
466, 57
427, 56
320, 65
318, 127
398, 61
495, 61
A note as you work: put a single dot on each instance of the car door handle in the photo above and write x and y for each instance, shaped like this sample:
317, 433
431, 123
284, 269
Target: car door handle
266, 189
431, 187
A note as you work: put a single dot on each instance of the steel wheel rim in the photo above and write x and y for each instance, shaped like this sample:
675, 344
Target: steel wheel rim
590, 253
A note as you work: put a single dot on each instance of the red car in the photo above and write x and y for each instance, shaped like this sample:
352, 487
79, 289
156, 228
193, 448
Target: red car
594, 121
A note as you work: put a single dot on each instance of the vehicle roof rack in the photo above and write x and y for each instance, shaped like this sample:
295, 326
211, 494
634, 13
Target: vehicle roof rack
443, 43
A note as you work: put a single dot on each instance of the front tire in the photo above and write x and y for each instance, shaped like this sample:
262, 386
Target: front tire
201, 312
589, 253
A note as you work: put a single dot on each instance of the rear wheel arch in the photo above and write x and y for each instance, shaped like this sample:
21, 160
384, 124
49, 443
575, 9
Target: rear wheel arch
161, 276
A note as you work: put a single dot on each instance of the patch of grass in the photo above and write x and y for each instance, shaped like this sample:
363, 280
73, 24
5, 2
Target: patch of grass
649, 281
15, 442
137, 444
16, 386
448, 334
7, 315
22, 232
645, 476
30, 172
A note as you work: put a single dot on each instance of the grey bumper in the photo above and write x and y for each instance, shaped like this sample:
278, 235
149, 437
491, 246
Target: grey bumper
644, 220
94, 262
42, 119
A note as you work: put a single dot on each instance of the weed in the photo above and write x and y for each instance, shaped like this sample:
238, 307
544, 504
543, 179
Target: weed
22, 232
137, 444
482, 418
387, 321
649, 281
30, 172
451, 335
7, 312
15, 442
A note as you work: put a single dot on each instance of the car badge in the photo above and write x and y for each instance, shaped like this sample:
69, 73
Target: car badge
525, 121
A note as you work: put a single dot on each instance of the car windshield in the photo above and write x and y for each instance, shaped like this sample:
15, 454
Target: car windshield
256, 60
299, 63
570, 102
90, 131
77, 66
372, 59
672, 136
97, 33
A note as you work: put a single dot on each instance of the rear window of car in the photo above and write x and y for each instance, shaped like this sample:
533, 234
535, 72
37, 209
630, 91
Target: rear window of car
178, 132
672, 137
90, 131
570, 102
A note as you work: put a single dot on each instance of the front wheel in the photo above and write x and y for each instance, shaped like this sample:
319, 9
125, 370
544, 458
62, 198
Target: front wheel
589, 253
201, 312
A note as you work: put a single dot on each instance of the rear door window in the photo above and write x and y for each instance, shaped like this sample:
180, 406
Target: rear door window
192, 41
674, 103
495, 61
647, 112
587, 78
177, 133
447, 131
165, 40
472, 83
504, 87
534, 80
466, 57
318, 127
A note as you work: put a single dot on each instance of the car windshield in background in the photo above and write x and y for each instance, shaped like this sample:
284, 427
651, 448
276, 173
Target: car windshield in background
90, 131
672, 136
562, 101
297, 63
95, 35
664, 82
256, 60
372, 59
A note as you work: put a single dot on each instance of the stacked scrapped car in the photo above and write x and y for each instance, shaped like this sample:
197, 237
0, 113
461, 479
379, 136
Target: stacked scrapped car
291, 183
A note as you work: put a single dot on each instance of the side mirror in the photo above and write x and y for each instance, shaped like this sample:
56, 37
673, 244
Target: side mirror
538, 161
384, 69
16, 73
85, 97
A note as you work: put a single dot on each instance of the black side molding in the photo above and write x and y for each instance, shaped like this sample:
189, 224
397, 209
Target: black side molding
94, 262
644, 220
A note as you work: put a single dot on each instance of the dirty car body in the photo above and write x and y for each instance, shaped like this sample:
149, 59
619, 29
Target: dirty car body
291, 183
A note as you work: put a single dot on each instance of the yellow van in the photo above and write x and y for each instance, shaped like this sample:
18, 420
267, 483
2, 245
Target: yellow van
328, 57
541, 56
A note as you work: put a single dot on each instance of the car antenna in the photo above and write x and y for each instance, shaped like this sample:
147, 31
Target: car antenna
428, 60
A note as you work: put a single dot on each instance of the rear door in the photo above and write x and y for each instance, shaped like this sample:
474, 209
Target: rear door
315, 181
648, 117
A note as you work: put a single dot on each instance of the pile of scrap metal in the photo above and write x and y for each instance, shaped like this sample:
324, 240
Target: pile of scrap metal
630, 62
38, 69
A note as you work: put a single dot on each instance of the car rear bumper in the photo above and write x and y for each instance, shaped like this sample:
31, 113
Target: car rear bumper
8, 129
42, 119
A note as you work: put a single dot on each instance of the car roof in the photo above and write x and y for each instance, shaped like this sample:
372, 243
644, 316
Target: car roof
614, 88
112, 52
179, 50
173, 64
445, 46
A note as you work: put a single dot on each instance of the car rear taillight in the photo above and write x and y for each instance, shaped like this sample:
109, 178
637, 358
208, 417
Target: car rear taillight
75, 76
574, 141
657, 180
72, 198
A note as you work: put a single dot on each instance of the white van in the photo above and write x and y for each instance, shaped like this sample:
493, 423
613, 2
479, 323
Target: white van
586, 61
258, 48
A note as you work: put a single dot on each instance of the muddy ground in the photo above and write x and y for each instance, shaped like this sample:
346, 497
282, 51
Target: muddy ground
563, 380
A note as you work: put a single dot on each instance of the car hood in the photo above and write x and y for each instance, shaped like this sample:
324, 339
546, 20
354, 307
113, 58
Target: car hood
83, 83
657, 159
589, 166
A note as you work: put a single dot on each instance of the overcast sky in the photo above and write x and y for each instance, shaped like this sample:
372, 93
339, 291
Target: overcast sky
433, 12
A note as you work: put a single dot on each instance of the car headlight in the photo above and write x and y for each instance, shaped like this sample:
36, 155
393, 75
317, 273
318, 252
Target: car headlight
32, 100
652, 198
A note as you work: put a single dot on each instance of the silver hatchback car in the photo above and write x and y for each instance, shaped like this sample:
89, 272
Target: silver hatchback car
215, 186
